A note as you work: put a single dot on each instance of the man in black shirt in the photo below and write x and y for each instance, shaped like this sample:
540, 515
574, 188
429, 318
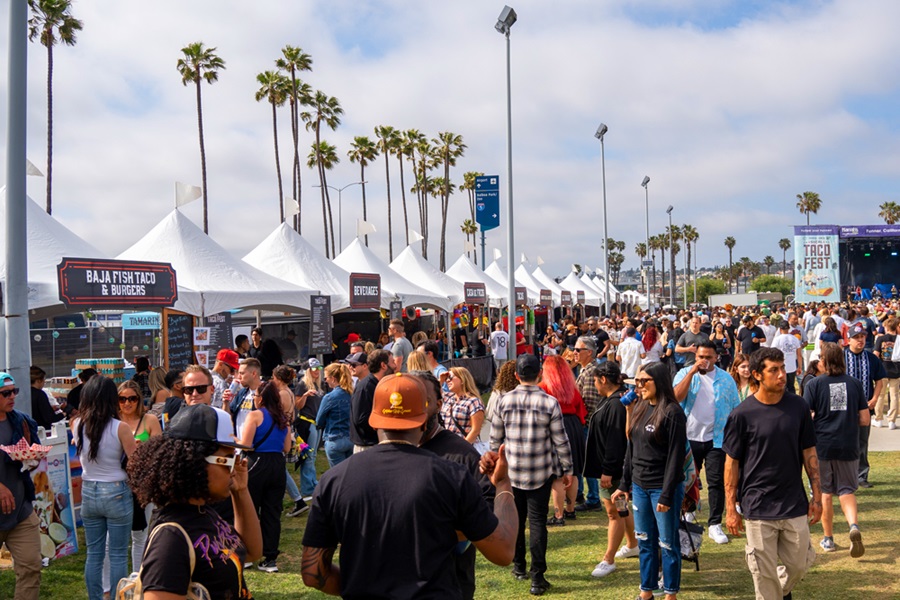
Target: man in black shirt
395, 510
750, 336
769, 439
864, 366
361, 434
839, 408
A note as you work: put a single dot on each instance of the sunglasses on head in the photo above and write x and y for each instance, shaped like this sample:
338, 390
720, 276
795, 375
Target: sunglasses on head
10, 392
124, 399
224, 461
190, 389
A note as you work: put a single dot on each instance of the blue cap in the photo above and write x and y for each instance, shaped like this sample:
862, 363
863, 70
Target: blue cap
6, 379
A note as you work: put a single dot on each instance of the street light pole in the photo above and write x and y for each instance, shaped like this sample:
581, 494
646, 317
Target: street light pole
684, 280
671, 249
601, 132
504, 24
341, 208
647, 232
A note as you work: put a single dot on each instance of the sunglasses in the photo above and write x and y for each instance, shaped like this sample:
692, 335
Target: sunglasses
578, 349
11, 392
224, 461
124, 399
642, 381
190, 389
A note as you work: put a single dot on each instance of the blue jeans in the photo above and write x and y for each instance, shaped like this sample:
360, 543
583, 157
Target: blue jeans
308, 480
291, 487
338, 450
657, 531
106, 508
593, 485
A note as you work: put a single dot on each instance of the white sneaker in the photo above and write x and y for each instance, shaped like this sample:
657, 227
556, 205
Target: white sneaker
717, 535
877, 423
626, 552
603, 569
690, 517
892, 426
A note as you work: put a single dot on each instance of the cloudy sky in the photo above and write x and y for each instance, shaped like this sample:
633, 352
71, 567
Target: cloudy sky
732, 107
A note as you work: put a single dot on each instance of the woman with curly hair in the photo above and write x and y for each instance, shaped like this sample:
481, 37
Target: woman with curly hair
266, 431
183, 472
101, 440
506, 382
559, 382
333, 418
462, 412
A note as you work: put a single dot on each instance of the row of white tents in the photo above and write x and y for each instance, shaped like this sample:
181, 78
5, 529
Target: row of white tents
282, 272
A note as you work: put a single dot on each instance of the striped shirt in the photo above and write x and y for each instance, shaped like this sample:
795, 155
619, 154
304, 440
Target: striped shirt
529, 422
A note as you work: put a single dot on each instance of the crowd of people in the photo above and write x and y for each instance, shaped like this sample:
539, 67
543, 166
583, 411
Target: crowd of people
189, 469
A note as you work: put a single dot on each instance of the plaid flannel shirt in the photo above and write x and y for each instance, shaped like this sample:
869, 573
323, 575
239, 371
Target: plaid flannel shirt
585, 383
529, 422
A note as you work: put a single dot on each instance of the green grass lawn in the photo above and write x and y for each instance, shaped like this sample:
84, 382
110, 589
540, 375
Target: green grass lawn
575, 548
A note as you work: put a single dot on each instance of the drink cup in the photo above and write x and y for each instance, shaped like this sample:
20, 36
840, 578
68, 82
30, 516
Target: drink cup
628, 398
622, 506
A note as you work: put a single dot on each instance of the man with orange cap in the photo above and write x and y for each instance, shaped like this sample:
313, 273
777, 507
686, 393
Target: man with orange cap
395, 510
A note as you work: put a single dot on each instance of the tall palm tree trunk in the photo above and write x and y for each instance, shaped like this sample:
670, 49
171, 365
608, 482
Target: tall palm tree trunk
278, 163
295, 169
730, 270
202, 156
362, 178
50, 129
403, 199
688, 276
387, 177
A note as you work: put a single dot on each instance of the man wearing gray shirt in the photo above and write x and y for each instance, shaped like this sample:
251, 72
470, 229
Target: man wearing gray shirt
689, 341
401, 348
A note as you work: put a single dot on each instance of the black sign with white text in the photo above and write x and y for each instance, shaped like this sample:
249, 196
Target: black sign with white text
521, 296
365, 290
320, 325
475, 293
579, 297
93, 282
546, 298
566, 298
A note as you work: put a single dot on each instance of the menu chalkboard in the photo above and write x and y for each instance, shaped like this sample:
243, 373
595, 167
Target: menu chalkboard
178, 339
219, 332
320, 325
396, 309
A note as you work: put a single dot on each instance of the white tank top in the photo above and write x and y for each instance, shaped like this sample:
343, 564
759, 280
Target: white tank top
108, 465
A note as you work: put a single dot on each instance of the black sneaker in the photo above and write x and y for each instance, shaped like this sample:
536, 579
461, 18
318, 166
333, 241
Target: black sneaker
519, 574
569, 515
267, 566
554, 521
588, 506
864, 484
300, 507
539, 585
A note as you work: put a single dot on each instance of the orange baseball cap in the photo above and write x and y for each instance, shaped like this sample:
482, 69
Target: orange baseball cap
399, 403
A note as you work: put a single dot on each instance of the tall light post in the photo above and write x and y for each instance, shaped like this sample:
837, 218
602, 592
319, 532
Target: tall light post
601, 131
684, 279
341, 208
671, 249
647, 232
504, 23
695, 270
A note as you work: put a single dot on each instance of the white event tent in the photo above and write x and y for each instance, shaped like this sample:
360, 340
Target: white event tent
547, 283
48, 242
357, 258
530, 282
224, 281
499, 275
413, 267
598, 287
464, 271
287, 255
574, 285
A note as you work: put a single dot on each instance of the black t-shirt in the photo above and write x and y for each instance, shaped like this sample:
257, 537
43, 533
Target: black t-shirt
218, 549
600, 338
768, 441
395, 509
836, 402
455, 448
745, 337
361, 433
653, 464
41, 411
865, 367
884, 349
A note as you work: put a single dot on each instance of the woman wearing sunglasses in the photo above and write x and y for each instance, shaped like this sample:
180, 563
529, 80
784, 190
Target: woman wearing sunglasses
101, 439
143, 426
183, 472
654, 474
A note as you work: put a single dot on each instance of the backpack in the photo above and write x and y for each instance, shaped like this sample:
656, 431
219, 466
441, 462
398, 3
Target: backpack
130, 588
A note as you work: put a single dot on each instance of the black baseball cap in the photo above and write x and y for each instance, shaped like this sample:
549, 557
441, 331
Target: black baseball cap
528, 366
203, 423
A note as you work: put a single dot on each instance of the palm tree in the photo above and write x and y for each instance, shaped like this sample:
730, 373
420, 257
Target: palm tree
363, 151
274, 88
449, 147
388, 138
690, 236
808, 202
662, 244
676, 248
745, 263
729, 243
51, 22
469, 228
292, 60
890, 212
325, 109
200, 63
768, 261
324, 156
404, 148
423, 161
785, 245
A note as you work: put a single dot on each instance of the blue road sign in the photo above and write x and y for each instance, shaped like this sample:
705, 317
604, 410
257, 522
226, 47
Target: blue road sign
487, 201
